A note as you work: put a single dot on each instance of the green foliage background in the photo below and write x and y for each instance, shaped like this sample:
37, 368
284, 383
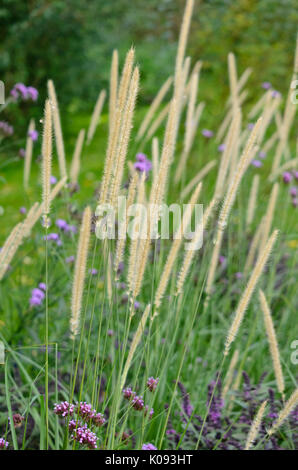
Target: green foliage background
72, 41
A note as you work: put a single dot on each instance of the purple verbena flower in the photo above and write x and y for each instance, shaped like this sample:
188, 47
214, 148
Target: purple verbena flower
93, 271
64, 409
142, 164
151, 412
23, 210
152, 383
256, 163
207, 133
287, 177
262, 154
149, 447
6, 128
70, 259
42, 286
221, 147
32, 93
128, 393
98, 419
266, 85
138, 403
62, 224
84, 436
3, 443
53, 179
33, 134
22, 153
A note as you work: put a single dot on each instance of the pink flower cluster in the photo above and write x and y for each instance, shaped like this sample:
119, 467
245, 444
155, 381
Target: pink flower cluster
24, 92
3, 443
152, 383
38, 294
137, 401
84, 436
63, 409
86, 412
78, 425
149, 447
5, 128
287, 178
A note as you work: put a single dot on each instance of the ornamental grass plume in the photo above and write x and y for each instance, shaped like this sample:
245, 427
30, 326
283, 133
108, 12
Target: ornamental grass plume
115, 130
228, 203
153, 108
182, 42
9, 248
113, 89
254, 429
273, 344
96, 115
136, 244
46, 160
76, 159
28, 153
124, 135
233, 79
80, 271
285, 412
176, 244
57, 129
246, 296
134, 344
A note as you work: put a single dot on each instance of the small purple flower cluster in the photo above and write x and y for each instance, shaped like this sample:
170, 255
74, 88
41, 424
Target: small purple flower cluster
152, 383
65, 227
33, 134
84, 435
137, 402
53, 237
5, 128
143, 163
218, 430
149, 447
86, 412
207, 133
38, 294
24, 92
85, 418
64, 409
287, 178
3, 443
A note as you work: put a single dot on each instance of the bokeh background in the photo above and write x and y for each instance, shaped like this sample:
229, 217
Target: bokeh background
72, 43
